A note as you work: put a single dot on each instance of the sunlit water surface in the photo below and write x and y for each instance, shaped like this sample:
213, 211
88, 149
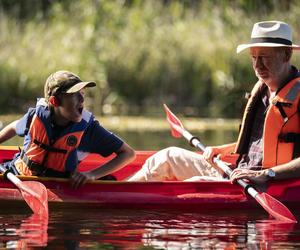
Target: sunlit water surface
141, 229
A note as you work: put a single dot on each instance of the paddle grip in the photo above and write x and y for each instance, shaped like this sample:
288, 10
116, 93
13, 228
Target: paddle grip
4, 171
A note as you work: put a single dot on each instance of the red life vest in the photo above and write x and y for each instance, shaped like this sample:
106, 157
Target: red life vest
43, 152
281, 136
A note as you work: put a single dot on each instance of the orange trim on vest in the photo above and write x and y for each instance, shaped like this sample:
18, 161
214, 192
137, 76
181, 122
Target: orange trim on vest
46, 158
275, 152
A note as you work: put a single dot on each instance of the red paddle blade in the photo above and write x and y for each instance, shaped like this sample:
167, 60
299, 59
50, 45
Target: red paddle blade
35, 195
176, 125
275, 208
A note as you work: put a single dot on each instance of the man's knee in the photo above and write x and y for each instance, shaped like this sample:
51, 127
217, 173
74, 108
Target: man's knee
174, 152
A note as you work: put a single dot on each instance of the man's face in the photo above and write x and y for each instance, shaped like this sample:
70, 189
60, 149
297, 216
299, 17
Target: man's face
268, 63
71, 106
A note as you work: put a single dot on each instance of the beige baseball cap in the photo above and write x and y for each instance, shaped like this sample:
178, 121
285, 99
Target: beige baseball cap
64, 82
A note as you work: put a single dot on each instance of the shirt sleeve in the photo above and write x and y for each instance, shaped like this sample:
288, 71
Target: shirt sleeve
24, 123
97, 139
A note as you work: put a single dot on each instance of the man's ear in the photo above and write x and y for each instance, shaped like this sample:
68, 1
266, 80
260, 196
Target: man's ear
53, 101
288, 53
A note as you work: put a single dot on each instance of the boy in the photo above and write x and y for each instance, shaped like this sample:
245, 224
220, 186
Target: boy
58, 130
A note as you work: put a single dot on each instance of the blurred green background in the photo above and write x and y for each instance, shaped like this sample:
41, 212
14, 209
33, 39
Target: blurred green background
141, 53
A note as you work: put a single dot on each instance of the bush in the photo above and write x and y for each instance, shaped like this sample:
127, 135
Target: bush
140, 53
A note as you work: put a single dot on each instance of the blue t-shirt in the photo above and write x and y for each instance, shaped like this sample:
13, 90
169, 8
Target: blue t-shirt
95, 139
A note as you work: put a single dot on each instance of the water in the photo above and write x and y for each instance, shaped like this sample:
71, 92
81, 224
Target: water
139, 229
160, 139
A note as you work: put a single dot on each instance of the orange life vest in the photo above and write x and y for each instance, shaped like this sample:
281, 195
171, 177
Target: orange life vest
281, 135
43, 152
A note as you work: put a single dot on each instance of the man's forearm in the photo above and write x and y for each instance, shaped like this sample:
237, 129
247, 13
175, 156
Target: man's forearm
288, 170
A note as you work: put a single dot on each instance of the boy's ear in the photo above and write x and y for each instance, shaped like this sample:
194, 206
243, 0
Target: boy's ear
53, 101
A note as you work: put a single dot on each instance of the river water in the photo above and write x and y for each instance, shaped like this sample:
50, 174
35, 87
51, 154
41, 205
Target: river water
139, 229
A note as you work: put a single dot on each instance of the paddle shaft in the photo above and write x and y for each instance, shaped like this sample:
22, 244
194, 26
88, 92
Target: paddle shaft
15, 180
227, 170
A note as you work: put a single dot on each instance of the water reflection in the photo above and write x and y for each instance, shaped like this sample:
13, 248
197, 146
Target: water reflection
131, 229
23, 233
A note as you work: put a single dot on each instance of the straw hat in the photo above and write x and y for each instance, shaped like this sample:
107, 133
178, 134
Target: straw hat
270, 34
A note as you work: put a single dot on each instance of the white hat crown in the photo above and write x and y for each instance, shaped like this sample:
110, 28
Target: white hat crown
270, 34
273, 29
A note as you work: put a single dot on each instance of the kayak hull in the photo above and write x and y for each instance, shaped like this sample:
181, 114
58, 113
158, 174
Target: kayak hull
200, 195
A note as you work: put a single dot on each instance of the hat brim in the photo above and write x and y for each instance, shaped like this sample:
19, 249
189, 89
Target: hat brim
78, 86
242, 47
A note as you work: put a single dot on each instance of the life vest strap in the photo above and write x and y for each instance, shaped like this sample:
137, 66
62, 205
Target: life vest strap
39, 170
292, 138
33, 166
289, 137
280, 106
49, 148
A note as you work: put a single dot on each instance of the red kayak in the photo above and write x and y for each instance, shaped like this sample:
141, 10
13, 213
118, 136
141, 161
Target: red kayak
168, 194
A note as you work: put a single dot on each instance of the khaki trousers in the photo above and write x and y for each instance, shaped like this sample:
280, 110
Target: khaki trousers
176, 164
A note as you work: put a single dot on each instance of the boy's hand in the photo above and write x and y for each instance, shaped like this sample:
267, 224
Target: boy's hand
78, 179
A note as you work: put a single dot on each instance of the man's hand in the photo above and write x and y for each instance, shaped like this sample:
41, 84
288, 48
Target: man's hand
211, 152
80, 178
256, 176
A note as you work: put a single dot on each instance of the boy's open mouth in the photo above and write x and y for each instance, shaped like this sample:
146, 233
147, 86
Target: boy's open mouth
80, 110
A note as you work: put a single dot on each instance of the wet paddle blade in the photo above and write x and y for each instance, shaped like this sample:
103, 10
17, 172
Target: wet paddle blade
175, 124
275, 208
35, 195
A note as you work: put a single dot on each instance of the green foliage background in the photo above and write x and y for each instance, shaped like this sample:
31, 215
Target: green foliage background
140, 53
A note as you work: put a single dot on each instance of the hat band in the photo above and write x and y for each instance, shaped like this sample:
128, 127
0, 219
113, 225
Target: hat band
271, 40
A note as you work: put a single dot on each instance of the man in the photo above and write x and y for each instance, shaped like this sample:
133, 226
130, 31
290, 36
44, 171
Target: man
269, 141
58, 130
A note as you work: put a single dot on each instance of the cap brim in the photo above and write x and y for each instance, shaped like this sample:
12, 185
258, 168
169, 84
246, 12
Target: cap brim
79, 86
242, 47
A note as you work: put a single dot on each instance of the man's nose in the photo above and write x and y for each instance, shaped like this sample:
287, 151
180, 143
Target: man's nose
257, 63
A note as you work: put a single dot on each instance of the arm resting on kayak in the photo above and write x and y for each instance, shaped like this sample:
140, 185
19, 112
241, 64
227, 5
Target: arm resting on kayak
123, 156
288, 170
8, 132
284, 171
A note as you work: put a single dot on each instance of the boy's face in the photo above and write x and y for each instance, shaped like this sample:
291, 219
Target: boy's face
71, 106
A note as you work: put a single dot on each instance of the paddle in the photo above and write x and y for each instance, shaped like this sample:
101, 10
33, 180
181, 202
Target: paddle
274, 207
34, 193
